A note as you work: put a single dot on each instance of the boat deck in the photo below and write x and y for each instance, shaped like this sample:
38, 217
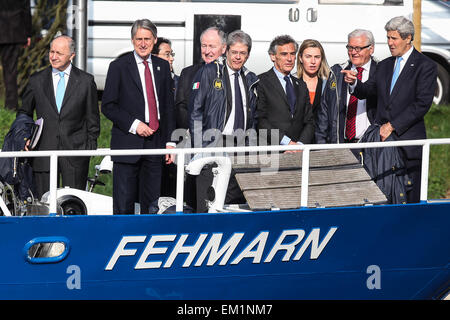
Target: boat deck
336, 179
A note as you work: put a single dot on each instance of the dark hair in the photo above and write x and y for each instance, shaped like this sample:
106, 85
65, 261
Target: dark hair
160, 41
281, 41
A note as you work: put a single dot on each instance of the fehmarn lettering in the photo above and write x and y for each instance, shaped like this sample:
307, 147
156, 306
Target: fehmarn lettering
210, 248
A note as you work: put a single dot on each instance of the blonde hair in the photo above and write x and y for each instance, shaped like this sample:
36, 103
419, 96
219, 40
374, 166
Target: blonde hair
324, 69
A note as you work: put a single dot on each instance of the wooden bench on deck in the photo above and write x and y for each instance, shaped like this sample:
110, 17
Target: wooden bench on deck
336, 179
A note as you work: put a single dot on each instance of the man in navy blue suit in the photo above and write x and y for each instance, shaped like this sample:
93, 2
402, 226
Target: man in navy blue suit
405, 85
138, 99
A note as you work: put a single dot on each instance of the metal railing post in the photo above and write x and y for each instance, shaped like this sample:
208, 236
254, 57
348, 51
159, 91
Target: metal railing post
53, 182
180, 182
305, 178
425, 168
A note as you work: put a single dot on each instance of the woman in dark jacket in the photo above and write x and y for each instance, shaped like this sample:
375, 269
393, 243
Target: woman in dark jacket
312, 68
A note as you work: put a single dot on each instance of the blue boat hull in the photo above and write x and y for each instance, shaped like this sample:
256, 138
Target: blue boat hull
374, 252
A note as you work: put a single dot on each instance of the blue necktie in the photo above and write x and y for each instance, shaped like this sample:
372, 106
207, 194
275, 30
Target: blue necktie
238, 104
396, 73
290, 94
60, 89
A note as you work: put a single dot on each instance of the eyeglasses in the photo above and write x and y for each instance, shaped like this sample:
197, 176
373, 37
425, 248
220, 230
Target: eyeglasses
169, 54
357, 49
238, 53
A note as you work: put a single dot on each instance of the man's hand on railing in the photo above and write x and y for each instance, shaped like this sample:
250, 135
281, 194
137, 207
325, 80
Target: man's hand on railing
292, 151
170, 158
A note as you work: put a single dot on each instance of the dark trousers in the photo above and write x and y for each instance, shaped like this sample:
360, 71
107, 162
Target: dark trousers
68, 176
168, 180
137, 182
414, 171
9, 54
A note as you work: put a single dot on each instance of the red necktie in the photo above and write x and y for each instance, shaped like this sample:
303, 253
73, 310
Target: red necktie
152, 112
350, 124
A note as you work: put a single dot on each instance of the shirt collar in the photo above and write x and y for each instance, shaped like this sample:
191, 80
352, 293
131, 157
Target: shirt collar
140, 60
231, 71
279, 74
406, 55
66, 71
366, 66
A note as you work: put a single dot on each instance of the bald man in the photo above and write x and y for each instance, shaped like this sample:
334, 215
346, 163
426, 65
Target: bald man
66, 98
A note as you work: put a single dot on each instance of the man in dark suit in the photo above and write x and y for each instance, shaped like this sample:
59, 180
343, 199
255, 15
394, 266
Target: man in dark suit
283, 106
339, 112
405, 85
138, 99
66, 98
15, 26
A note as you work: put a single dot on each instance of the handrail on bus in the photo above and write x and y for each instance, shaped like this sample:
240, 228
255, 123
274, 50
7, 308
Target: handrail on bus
182, 152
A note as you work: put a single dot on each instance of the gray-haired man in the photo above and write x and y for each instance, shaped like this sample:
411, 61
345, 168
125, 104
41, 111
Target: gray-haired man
339, 113
404, 84
138, 99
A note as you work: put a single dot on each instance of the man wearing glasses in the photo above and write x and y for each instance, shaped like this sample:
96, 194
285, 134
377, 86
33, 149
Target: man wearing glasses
342, 118
223, 105
404, 84
163, 49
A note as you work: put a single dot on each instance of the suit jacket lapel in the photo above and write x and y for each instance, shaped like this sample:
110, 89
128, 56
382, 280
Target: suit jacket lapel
74, 80
156, 69
134, 72
48, 89
247, 98
373, 68
343, 94
390, 70
278, 88
228, 84
408, 68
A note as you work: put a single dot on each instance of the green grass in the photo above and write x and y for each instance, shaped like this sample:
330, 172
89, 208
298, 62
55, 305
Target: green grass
437, 122
102, 142
7, 118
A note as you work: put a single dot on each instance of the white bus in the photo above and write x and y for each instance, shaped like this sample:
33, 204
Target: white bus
329, 21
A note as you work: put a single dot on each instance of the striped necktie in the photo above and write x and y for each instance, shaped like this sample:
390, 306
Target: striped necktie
350, 124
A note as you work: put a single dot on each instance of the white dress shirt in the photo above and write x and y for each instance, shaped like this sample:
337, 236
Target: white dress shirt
405, 58
229, 126
362, 121
141, 69
56, 77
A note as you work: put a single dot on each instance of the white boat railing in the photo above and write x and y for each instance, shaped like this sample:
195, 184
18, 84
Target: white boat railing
182, 152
